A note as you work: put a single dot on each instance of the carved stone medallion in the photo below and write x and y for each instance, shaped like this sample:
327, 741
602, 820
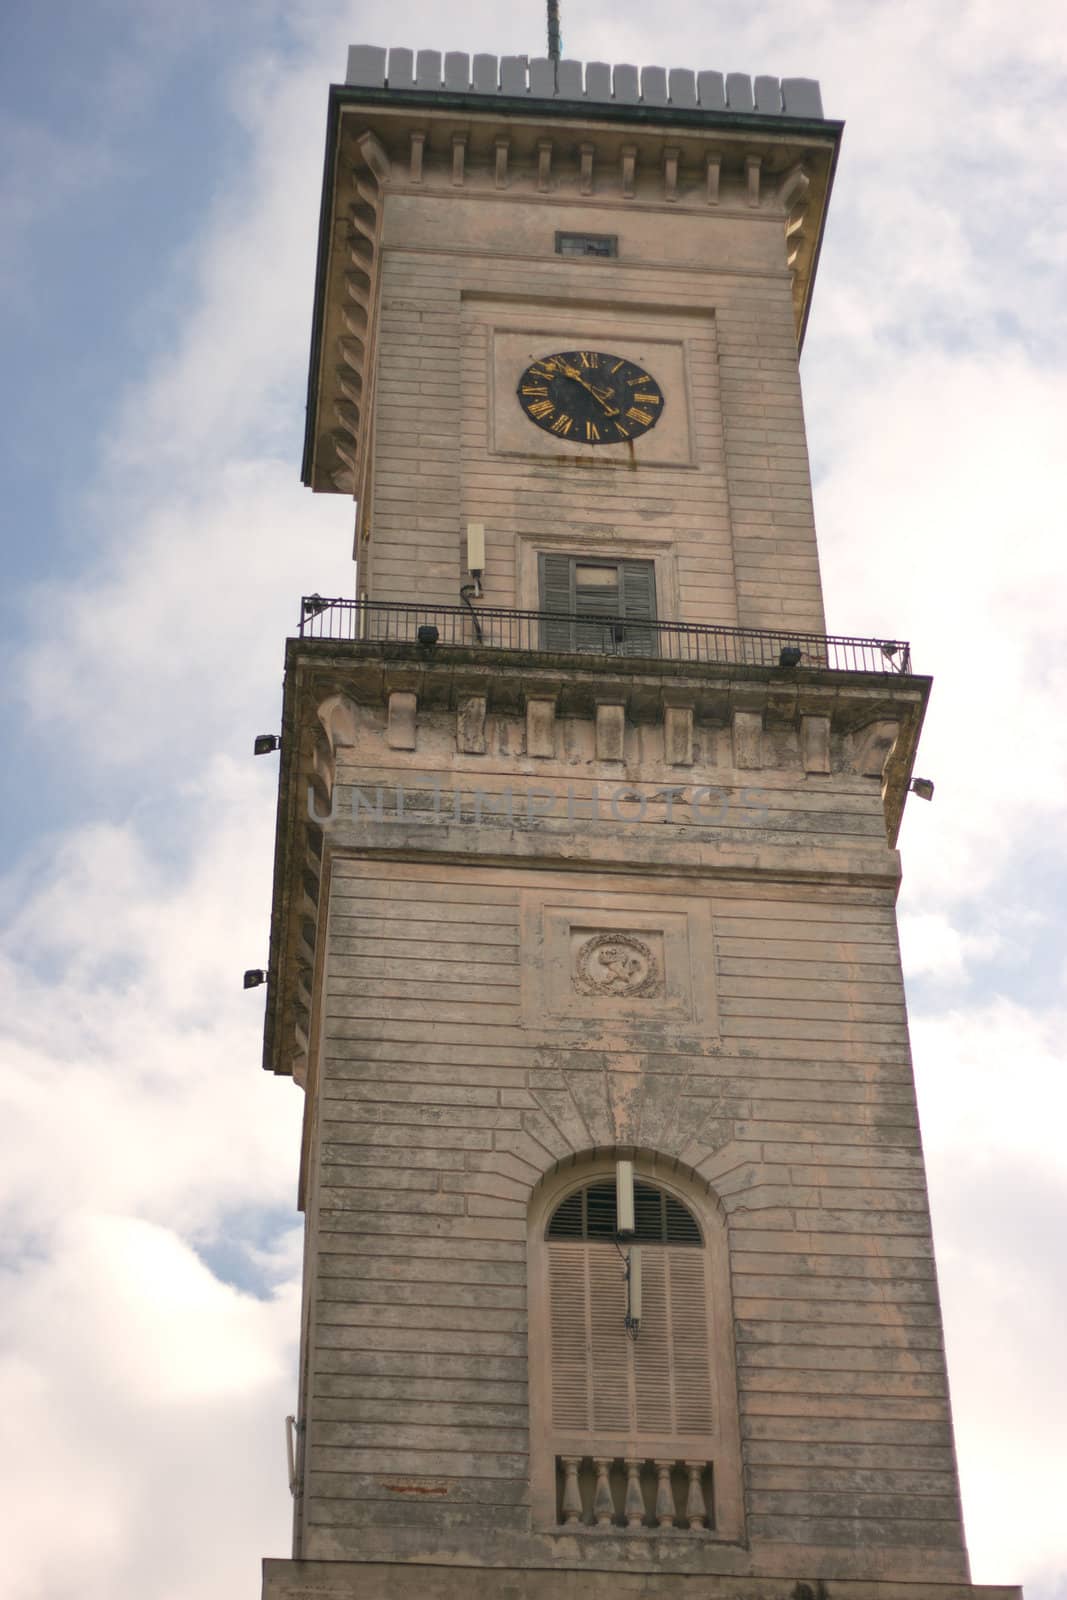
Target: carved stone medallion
616, 963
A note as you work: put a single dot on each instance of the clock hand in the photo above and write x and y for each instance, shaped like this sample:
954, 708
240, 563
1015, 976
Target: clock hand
598, 394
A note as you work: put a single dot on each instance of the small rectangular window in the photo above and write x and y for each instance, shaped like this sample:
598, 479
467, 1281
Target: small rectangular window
598, 606
587, 244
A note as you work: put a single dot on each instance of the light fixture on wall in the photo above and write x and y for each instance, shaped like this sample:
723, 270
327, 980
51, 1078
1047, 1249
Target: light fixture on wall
632, 1320
469, 592
625, 1228
476, 554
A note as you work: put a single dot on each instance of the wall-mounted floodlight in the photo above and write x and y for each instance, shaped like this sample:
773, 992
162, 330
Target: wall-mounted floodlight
476, 553
254, 977
314, 605
427, 635
923, 787
264, 743
789, 656
625, 1226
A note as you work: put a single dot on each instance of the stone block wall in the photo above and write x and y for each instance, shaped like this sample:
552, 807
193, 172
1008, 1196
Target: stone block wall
457, 1070
718, 492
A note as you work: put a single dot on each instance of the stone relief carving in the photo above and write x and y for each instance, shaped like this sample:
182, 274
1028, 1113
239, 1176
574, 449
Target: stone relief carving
616, 963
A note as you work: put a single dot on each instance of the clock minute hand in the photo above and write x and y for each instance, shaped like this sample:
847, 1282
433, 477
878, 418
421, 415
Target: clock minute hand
598, 395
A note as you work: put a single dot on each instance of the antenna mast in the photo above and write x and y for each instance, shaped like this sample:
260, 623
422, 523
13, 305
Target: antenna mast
553, 30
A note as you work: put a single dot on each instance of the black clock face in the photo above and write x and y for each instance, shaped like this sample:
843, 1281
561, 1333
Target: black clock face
590, 398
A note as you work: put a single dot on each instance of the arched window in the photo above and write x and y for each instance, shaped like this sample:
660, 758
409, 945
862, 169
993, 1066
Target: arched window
634, 1426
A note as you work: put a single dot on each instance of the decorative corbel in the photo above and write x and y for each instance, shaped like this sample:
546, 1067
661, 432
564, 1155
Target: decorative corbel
753, 164
586, 154
502, 147
794, 186
459, 157
544, 164
670, 172
794, 235
628, 169
373, 155
871, 747
713, 169
418, 145
338, 716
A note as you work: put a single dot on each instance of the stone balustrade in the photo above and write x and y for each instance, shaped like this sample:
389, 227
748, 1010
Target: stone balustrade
611, 1492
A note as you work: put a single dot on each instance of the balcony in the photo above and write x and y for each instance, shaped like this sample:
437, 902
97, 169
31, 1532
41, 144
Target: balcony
427, 628
636, 1493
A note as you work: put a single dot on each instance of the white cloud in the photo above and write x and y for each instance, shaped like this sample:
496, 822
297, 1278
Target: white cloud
142, 1135
940, 520
932, 947
148, 1412
992, 1082
133, 1051
164, 655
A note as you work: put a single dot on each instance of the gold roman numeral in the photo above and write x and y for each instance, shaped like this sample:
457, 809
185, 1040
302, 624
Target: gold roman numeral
563, 423
589, 359
541, 409
647, 399
534, 388
620, 429
592, 431
635, 415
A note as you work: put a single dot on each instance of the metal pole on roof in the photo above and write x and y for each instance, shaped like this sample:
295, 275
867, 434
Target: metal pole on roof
553, 30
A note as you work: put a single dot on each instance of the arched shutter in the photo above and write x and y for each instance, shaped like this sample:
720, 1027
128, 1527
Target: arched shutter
605, 1383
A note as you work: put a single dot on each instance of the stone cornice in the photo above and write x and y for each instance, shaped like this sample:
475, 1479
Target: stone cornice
677, 161
353, 705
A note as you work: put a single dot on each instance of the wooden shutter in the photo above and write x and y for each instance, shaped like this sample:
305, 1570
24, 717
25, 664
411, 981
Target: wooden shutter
598, 605
568, 1313
651, 1351
690, 1356
609, 1355
605, 1383
594, 607
557, 595
637, 586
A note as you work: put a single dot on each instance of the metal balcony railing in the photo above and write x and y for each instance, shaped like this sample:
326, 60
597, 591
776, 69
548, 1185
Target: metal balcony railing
496, 628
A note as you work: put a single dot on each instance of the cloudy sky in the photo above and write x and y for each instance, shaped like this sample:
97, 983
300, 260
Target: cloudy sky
159, 181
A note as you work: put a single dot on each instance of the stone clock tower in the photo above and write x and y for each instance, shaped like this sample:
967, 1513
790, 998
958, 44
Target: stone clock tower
618, 1274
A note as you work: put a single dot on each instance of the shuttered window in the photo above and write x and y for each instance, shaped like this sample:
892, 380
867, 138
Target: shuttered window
603, 1383
598, 606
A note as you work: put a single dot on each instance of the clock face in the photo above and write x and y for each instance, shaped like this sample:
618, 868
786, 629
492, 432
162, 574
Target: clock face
590, 398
